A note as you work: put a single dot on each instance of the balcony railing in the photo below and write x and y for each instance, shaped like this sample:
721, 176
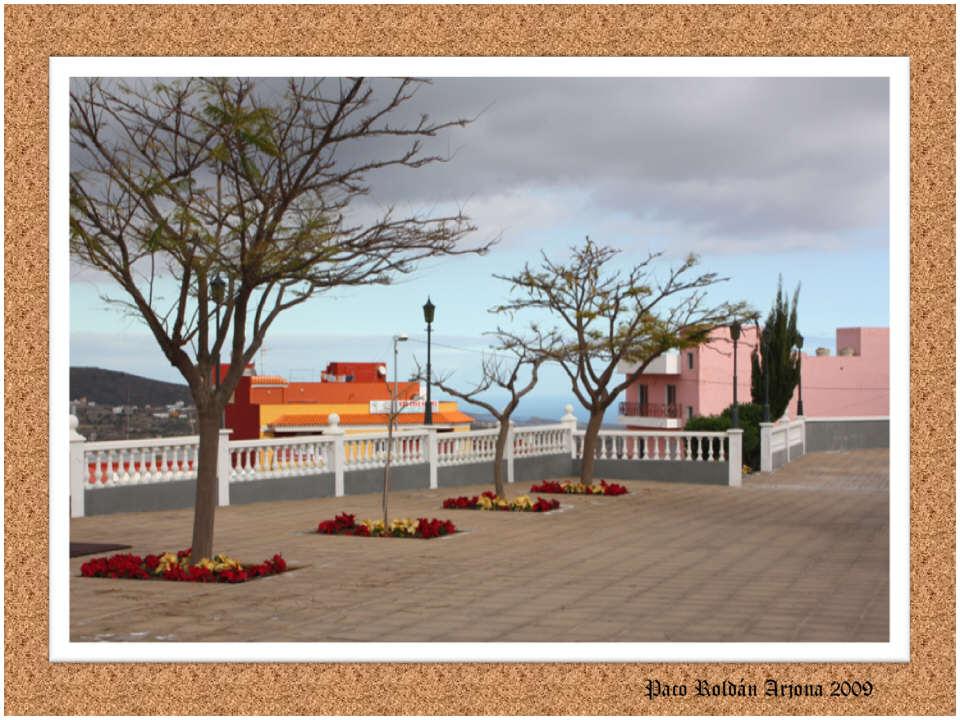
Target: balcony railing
655, 410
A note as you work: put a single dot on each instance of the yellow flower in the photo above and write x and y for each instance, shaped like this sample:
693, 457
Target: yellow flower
502, 502
484, 503
522, 503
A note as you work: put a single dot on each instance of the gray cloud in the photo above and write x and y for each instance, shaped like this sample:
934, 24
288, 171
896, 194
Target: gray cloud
720, 163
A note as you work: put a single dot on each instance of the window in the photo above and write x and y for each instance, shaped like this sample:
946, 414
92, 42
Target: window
642, 394
671, 394
689, 412
690, 360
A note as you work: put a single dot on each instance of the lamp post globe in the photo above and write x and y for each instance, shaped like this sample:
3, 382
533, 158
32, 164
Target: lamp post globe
735, 336
429, 309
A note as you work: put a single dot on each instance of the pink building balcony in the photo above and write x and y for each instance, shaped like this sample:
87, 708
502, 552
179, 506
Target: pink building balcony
650, 410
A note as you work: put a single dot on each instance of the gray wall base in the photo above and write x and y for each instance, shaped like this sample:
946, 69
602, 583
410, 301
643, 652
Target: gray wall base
137, 498
288, 488
703, 473
404, 477
824, 435
472, 474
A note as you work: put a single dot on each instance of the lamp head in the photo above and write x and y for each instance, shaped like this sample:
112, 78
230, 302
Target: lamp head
217, 288
735, 330
428, 311
799, 341
400, 338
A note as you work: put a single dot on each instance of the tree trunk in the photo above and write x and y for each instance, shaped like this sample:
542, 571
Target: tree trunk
590, 437
498, 458
205, 504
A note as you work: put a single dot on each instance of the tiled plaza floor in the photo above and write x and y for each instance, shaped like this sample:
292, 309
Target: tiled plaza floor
797, 555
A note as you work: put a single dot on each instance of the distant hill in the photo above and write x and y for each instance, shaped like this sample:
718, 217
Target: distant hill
109, 387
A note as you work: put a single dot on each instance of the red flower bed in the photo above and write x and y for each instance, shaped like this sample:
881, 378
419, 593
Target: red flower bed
489, 501
170, 566
578, 488
346, 524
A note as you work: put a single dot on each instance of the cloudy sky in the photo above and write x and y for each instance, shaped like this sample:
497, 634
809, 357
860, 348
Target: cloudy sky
759, 176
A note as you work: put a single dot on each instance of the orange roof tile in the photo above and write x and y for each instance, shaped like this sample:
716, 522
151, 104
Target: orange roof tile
309, 420
352, 392
267, 380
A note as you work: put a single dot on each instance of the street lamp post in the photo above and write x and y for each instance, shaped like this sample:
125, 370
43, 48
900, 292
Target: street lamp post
428, 312
393, 395
799, 376
735, 334
217, 288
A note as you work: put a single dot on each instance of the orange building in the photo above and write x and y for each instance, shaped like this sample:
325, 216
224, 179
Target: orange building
270, 406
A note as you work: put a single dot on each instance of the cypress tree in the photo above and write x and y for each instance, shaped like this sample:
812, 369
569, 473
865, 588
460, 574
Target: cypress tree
778, 341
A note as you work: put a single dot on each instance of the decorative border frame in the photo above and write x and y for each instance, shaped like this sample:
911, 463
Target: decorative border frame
924, 33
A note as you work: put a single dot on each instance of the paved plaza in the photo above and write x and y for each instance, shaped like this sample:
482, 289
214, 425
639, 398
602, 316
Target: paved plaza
797, 555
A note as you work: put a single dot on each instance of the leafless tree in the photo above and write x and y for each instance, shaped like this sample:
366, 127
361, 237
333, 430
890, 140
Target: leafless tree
513, 366
174, 183
605, 317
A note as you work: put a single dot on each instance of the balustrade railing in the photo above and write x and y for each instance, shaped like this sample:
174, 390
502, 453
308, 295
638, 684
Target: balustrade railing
139, 462
788, 438
654, 410
642, 445
282, 457
99, 465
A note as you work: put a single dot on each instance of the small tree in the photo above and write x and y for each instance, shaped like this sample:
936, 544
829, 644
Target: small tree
605, 317
392, 418
777, 362
513, 358
173, 184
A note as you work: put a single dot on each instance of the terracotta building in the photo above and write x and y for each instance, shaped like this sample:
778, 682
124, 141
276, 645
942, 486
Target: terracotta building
271, 406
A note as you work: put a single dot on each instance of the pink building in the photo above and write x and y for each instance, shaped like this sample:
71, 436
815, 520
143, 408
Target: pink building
699, 381
681, 384
853, 383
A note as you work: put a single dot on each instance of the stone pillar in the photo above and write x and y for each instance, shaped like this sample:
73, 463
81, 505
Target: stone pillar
224, 467
432, 457
766, 451
569, 422
735, 457
79, 473
338, 459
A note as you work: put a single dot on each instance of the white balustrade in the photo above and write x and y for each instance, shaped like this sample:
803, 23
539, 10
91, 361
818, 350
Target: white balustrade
786, 437
140, 462
642, 445
281, 457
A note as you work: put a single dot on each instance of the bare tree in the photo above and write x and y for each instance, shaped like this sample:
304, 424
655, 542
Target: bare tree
605, 317
502, 369
173, 184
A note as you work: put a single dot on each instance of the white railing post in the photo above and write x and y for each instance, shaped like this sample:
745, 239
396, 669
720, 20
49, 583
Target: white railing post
766, 447
78, 469
569, 423
224, 467
432, 457
339, 458
735, 457
803, 436
508, 451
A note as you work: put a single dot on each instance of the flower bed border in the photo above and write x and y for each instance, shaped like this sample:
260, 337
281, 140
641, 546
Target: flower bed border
176, 567
421, 529
578, 488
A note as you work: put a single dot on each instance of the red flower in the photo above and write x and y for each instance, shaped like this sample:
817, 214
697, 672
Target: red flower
547, 486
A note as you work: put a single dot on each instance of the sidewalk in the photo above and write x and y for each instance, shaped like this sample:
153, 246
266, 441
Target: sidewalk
799, 555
